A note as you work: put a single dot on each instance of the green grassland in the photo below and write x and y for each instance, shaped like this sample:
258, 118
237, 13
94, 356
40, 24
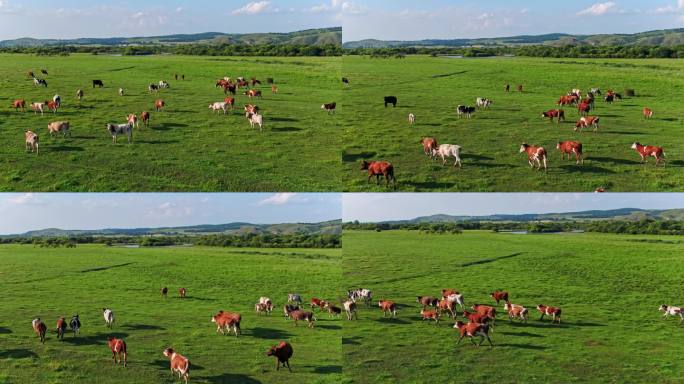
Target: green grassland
608, 286
53, 282
431, 88
186, 148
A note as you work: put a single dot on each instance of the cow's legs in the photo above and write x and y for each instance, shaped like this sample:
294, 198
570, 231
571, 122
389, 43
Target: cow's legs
542, 317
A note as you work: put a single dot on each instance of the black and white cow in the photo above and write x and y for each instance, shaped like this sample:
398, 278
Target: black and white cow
362, 294
121, 129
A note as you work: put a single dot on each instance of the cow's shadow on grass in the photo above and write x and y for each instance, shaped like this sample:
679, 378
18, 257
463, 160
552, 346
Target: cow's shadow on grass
5, 331
475, 158
17, 354
521, 334
350, 341
283, 119
328, 326
161, 363
614, 161
669, 119
143, 327
286, 129
157, 141
269, 333
66, 148
521, 346
675, 163
429, 184
572, 168
167, 126
389, 320
623, 132
232, 378
98, 269
327, 369
354, 157
97, 339
198, 298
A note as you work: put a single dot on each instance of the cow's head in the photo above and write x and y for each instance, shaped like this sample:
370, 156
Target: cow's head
364, 165
523, 147
636, 145
168, 352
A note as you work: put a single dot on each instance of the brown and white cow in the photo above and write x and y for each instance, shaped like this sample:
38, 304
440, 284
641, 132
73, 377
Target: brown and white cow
182, 292
499, 295
447, 306
554, 114
471, 330
61, 327
31, 141
253, 93
159, 105
118, 348
164, 291
388, 306
351, 310
648, 113
646, 151
282, 352
380, 168
587, 121
516, 311
554, 312
299, 315
39, 328
669, 310
179, 364
38, 107
145, 117
430, 314
429, 145
427, 301
329, 107
535, 155
227, 321
333, 311
571, 148
132, 118
486, 310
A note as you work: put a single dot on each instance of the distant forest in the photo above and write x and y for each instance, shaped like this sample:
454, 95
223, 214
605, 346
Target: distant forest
567, 51
290, 50
639, 227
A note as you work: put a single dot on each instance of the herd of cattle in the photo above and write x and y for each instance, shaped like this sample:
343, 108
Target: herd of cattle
229, 86
537, 155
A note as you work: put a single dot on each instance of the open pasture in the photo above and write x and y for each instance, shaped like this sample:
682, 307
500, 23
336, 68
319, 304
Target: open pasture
432, 87
187, 147
609, 288
60, 282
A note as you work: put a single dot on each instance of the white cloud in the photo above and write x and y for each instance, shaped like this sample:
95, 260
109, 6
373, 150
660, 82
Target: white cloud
348, 7
254, 8
600, 9
680, 4
170, 210
25, 199
278, 199
180, 9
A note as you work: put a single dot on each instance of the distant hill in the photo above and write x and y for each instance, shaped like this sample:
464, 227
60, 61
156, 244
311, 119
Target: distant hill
307, 37
326, 227
666, 37
615, 214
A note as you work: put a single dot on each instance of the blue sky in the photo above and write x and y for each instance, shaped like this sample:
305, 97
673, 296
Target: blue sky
371, 207
83, 18
448, 19
21, 212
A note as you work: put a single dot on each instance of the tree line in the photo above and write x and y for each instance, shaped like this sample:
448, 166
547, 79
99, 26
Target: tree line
291, 50
634, 227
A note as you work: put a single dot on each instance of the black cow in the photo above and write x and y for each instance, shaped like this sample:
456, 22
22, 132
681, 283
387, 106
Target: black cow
98, 83
345, 81
391, 100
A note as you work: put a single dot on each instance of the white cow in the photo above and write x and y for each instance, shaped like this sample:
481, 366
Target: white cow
219, 106
448, 150
456, 298
411, 118
31, 141
121, 91
121, 129
350, 309
483, 102
108, 315
264, 300
38, 107
163, 84
255, 119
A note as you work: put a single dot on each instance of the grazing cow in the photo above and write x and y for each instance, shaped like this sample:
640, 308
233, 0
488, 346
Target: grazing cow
332, 310
554, 113
669, 310
61, 327
445, 305
118, 348
227, 321
483, 102
535, 155
133, 120
427, 301
269, 80
219, 106
351, 309
159, 105
164, 291
329, 107
266, 308
587, 121
282, 352
583, 108
476, 317
179, 364
429, 145
98, 83
40, 82
242, 83
646, 151
274, 90
38, 107
448, 150
57, 99
153, 88
430, 315
287, 308
75, 324
380, 168
499, 295
253, 93
59, 127
648, 113
52, 106
31, 141
391, 100
20, 103
255, 119
471, 330
567, 100
363, 294
466, 111
554, 312
145, 117
571, 147
120, 129
520, 88
299, 315
411, 119
486, 310
388, 306
79, 94
39, 328
516, 311
182, 292
294, 298
108, 315
164, 84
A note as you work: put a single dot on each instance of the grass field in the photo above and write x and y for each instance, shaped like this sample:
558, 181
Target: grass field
186, 148
50, 283
431, 88
608, 286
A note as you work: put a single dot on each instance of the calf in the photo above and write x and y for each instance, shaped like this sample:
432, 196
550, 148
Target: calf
466, 111
388, 306
587, 121
571, 147
108, 315
669, 310
182, 292
20, 103
516, 311
427, 301
380, 168
179, 364
75, 324
535, 155
429, 145
554, 113
282, 352
391, 100
411, 119
649, 150
330, 107
430, 315
499, 295
31, 139
333, 310
448, 150
473, 329
554, 312
118, 348
120, 129
350, 309
298, 315
61, 327
39, 328
648, 113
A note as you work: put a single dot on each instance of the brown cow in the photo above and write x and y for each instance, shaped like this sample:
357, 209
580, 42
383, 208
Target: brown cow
299, 315
535, 155
159, 105
179, 364
145, 117
554, 312
587, 121
388, 306
429, 145
473, 329
554, 113
61, 327
571, 147
430, 315
182, 292
19, 103
118, 347
486, 310
476, 317
39, 328
282, 352
380, 168
427, 301
227, 321
649, 150
164, 291
648, 113
516, 311
448, 306
499, 295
